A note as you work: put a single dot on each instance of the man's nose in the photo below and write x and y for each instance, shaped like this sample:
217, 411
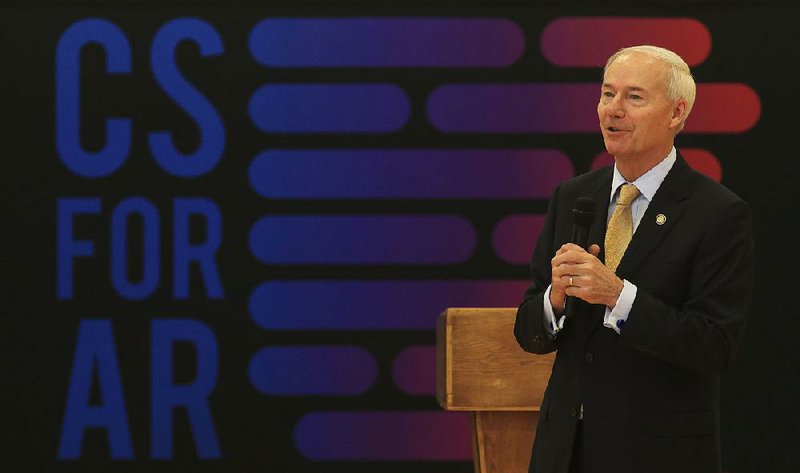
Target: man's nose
616, 108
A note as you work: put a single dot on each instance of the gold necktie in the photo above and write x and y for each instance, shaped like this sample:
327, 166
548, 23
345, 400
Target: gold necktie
620, 227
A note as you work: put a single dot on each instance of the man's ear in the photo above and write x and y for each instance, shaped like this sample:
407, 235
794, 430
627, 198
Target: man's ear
678, 113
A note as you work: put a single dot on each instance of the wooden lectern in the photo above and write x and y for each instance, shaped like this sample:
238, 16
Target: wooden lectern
481, 368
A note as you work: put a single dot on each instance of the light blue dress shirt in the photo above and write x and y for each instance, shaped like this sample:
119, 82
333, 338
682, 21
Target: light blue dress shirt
647, 184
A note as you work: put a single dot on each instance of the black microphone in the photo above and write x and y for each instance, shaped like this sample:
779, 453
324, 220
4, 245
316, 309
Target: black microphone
582, 218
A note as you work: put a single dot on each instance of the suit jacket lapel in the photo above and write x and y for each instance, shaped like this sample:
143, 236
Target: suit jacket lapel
601, 194
668, 201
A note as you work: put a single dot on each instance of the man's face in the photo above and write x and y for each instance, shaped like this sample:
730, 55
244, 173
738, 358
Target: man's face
636, 117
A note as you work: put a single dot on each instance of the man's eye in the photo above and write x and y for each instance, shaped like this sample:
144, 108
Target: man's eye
635, 97
608, 94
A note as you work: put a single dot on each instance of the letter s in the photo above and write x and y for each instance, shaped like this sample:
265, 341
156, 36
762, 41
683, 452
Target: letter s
186, 96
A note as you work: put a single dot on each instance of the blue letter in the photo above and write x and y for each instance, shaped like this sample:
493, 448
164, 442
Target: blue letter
68, 248
186, 96
166, 396
95, 348
184, 252
151, 254
68, 100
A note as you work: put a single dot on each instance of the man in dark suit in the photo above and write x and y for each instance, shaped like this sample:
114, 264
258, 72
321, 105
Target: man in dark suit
634, 387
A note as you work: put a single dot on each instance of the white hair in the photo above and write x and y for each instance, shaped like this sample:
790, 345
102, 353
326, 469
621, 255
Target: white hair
680, 83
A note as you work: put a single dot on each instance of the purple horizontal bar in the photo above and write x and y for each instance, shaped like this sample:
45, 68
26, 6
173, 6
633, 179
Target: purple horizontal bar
414, 370
514, 237
409, 173
386, 42
325, 239
312, 370
372, 305
515, 108
384, 436
329, 108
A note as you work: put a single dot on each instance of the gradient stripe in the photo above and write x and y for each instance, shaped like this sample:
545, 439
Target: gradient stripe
590, 41
329, 108
362, 239
572, 108
386, 42
408, 174
700, 160
362, 305
414, 370
514, 108
384, 436
514, 237
312, 370
724, 108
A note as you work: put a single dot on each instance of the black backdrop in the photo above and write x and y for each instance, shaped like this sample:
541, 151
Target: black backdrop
753, 43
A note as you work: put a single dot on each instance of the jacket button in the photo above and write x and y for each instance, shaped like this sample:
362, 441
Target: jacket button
573, 411
589, 357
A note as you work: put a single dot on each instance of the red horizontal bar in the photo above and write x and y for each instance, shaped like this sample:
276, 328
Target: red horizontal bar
724, 108
590, 41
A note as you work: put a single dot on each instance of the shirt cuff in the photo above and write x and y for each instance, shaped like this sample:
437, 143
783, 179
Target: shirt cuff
550, 323
615, 318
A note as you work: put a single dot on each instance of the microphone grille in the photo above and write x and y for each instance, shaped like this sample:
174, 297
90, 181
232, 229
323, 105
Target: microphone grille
583, 214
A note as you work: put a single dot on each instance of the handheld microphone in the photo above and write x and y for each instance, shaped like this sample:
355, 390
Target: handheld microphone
582, 218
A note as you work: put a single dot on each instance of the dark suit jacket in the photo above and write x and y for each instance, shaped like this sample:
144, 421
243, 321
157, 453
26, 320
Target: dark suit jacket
650, 394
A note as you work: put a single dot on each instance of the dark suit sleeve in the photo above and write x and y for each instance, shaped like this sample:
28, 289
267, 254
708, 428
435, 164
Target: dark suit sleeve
703, 333
529, 325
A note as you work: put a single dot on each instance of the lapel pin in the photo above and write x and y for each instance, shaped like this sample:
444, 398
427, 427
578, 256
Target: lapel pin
661, 219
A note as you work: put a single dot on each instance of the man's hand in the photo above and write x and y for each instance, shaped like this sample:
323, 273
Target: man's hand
590, 279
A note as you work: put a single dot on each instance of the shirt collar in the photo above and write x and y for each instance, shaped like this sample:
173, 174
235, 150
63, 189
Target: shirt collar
649, 182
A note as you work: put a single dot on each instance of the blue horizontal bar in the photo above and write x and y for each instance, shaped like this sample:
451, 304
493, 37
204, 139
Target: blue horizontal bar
362, 239
384, 436
408, 173
329, 108
386, 42
312, 370
372, 305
